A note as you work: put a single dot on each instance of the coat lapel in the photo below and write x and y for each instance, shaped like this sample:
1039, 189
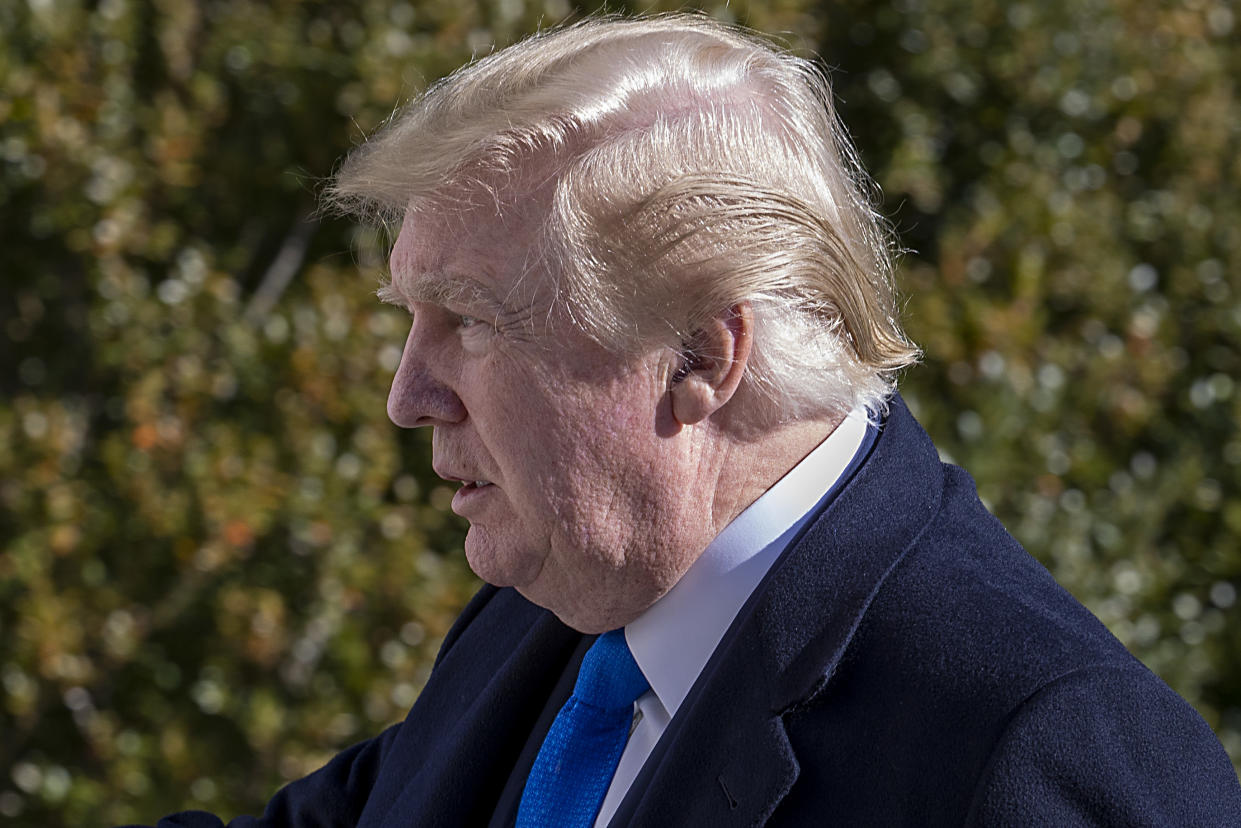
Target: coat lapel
505, 813
727, 757
460, 743
819, 593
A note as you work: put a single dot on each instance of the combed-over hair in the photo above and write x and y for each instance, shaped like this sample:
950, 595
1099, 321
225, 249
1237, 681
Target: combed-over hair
693, 167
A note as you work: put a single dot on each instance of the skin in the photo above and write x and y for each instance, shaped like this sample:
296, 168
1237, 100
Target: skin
606, 480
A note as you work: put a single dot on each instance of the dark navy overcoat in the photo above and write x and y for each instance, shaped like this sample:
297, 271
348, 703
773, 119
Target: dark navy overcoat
905, 663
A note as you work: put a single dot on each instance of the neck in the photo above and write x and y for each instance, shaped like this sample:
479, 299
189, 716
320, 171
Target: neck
753, 466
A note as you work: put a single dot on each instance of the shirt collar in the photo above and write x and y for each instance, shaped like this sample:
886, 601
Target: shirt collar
674, 638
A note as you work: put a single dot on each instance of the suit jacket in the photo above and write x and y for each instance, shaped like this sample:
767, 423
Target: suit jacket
906, 662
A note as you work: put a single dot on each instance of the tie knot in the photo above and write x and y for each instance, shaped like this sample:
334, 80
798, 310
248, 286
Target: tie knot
609, 678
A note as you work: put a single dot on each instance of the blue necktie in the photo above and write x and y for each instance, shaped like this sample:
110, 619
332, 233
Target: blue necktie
575, 765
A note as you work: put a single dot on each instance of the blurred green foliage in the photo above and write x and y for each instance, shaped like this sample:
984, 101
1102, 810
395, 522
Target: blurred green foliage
219, 563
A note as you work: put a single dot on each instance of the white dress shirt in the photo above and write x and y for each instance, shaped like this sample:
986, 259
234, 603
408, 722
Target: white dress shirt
673, 640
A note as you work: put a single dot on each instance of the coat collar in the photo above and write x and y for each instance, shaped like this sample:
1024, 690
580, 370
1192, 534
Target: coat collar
727, 759
811, 607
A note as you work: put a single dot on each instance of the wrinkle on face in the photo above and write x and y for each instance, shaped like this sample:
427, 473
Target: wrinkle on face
510, 291
595, 510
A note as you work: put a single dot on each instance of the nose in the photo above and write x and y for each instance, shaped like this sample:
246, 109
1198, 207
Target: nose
417, 397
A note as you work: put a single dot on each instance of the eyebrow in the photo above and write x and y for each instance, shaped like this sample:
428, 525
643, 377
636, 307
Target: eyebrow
440, 289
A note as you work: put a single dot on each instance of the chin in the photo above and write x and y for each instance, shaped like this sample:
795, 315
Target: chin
498, 561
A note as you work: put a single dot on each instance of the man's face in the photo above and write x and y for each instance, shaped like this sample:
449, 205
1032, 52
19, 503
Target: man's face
580, 489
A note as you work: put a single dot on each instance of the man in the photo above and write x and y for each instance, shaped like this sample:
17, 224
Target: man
654, 333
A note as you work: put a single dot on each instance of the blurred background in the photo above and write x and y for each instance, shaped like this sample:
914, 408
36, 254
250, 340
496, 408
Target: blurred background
219, 563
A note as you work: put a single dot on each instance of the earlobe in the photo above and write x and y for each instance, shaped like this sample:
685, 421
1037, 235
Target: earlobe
712, 365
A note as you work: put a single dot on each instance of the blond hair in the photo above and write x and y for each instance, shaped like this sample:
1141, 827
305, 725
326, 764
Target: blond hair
693, 167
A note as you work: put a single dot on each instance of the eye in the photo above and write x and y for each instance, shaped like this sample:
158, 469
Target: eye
468, 321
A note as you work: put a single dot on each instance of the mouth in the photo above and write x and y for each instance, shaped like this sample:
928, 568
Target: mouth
470, 491
444, 473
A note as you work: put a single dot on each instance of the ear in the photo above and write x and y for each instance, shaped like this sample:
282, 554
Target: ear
712, 365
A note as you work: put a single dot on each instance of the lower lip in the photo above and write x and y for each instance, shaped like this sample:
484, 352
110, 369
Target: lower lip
468, 494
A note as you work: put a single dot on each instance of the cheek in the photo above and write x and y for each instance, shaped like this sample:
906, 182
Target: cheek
616, 487
585, 450
628, 420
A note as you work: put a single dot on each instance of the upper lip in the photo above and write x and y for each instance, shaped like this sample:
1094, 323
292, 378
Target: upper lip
463, 478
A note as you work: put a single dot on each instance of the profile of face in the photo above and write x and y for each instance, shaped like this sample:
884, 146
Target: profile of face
580, 487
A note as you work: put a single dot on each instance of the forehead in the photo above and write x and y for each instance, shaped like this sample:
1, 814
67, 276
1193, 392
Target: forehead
461, 253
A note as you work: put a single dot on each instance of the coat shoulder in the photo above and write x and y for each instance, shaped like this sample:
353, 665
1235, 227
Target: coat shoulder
1107, 746
955, 688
